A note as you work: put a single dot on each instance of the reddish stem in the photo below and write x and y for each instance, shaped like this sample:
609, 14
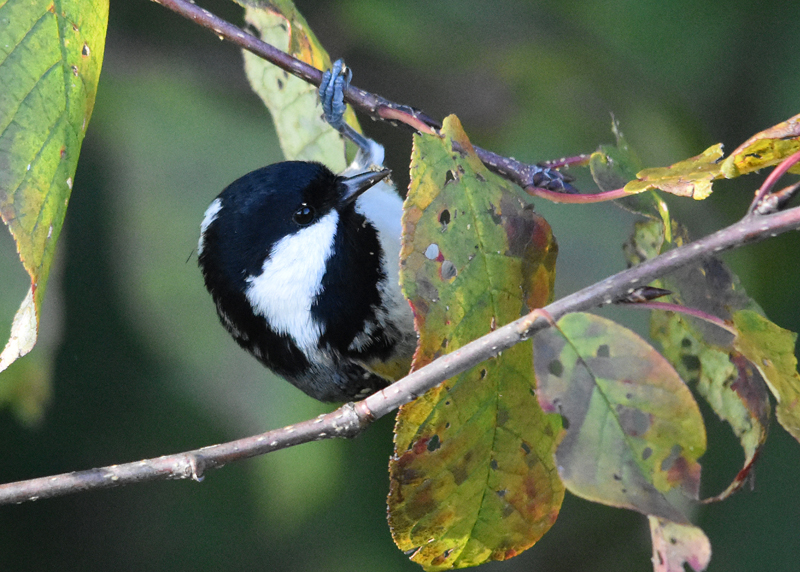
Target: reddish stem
773, 177
577, 199
671, 307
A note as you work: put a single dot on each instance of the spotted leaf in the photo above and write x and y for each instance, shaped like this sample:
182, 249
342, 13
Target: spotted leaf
473, 475
770, 349
633, 429
703, 353
677, 544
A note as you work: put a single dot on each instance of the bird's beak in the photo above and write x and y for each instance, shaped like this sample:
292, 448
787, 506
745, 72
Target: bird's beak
357, 184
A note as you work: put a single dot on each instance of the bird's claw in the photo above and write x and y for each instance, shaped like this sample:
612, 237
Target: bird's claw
331, 93
553, 180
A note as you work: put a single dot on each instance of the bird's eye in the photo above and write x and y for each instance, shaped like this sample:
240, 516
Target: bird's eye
304, 215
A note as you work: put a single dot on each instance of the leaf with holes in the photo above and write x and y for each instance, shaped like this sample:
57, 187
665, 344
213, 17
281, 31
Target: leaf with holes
770, 349
473, 476
702, 353
765, 149
633, 430
303, 133
677, 544
50, 59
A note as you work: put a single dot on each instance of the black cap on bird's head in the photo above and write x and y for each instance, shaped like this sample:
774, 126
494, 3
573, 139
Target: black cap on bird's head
275, 201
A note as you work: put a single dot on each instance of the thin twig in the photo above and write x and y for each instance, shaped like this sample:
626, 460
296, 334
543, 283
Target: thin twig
352, 418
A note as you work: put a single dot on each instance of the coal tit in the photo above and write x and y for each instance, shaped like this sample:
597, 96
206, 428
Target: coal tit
302, 265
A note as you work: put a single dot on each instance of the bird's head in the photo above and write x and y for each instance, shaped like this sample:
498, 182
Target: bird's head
275, 203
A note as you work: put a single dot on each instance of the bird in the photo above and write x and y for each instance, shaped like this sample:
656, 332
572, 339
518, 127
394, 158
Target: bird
303, 266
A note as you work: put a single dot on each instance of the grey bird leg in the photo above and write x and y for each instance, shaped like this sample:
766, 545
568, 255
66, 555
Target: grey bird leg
331, 96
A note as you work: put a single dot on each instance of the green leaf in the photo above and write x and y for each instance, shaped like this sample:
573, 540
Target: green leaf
677, 544
473, 477
50, 59
633, 429
702, 353
770, 349
293, 102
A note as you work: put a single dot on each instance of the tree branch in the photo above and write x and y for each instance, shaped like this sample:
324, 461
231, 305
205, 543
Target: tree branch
532, 178
352, 418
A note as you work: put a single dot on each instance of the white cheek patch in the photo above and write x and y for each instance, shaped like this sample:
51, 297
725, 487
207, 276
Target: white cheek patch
290, 280
210, 216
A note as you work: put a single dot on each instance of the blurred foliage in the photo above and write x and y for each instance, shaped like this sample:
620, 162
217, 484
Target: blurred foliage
141, 368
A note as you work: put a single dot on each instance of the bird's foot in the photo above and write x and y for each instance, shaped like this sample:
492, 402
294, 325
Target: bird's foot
331, 94
553, 180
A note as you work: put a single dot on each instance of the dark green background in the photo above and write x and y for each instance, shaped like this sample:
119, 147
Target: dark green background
140, 366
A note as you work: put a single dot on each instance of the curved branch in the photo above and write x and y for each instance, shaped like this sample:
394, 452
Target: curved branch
525, 175
352, 418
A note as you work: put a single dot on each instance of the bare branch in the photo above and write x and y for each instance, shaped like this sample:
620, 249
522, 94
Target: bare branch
352, 418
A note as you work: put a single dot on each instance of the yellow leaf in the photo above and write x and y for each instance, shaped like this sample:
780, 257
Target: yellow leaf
689, 178
764, 149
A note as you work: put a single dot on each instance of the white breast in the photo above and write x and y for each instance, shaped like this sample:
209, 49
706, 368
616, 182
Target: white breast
291, 278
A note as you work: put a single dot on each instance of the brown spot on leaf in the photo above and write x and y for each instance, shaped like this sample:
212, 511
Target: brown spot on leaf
750, 387
691, 362
502, 417
85, 51
634, 422
423, 502
459, 474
